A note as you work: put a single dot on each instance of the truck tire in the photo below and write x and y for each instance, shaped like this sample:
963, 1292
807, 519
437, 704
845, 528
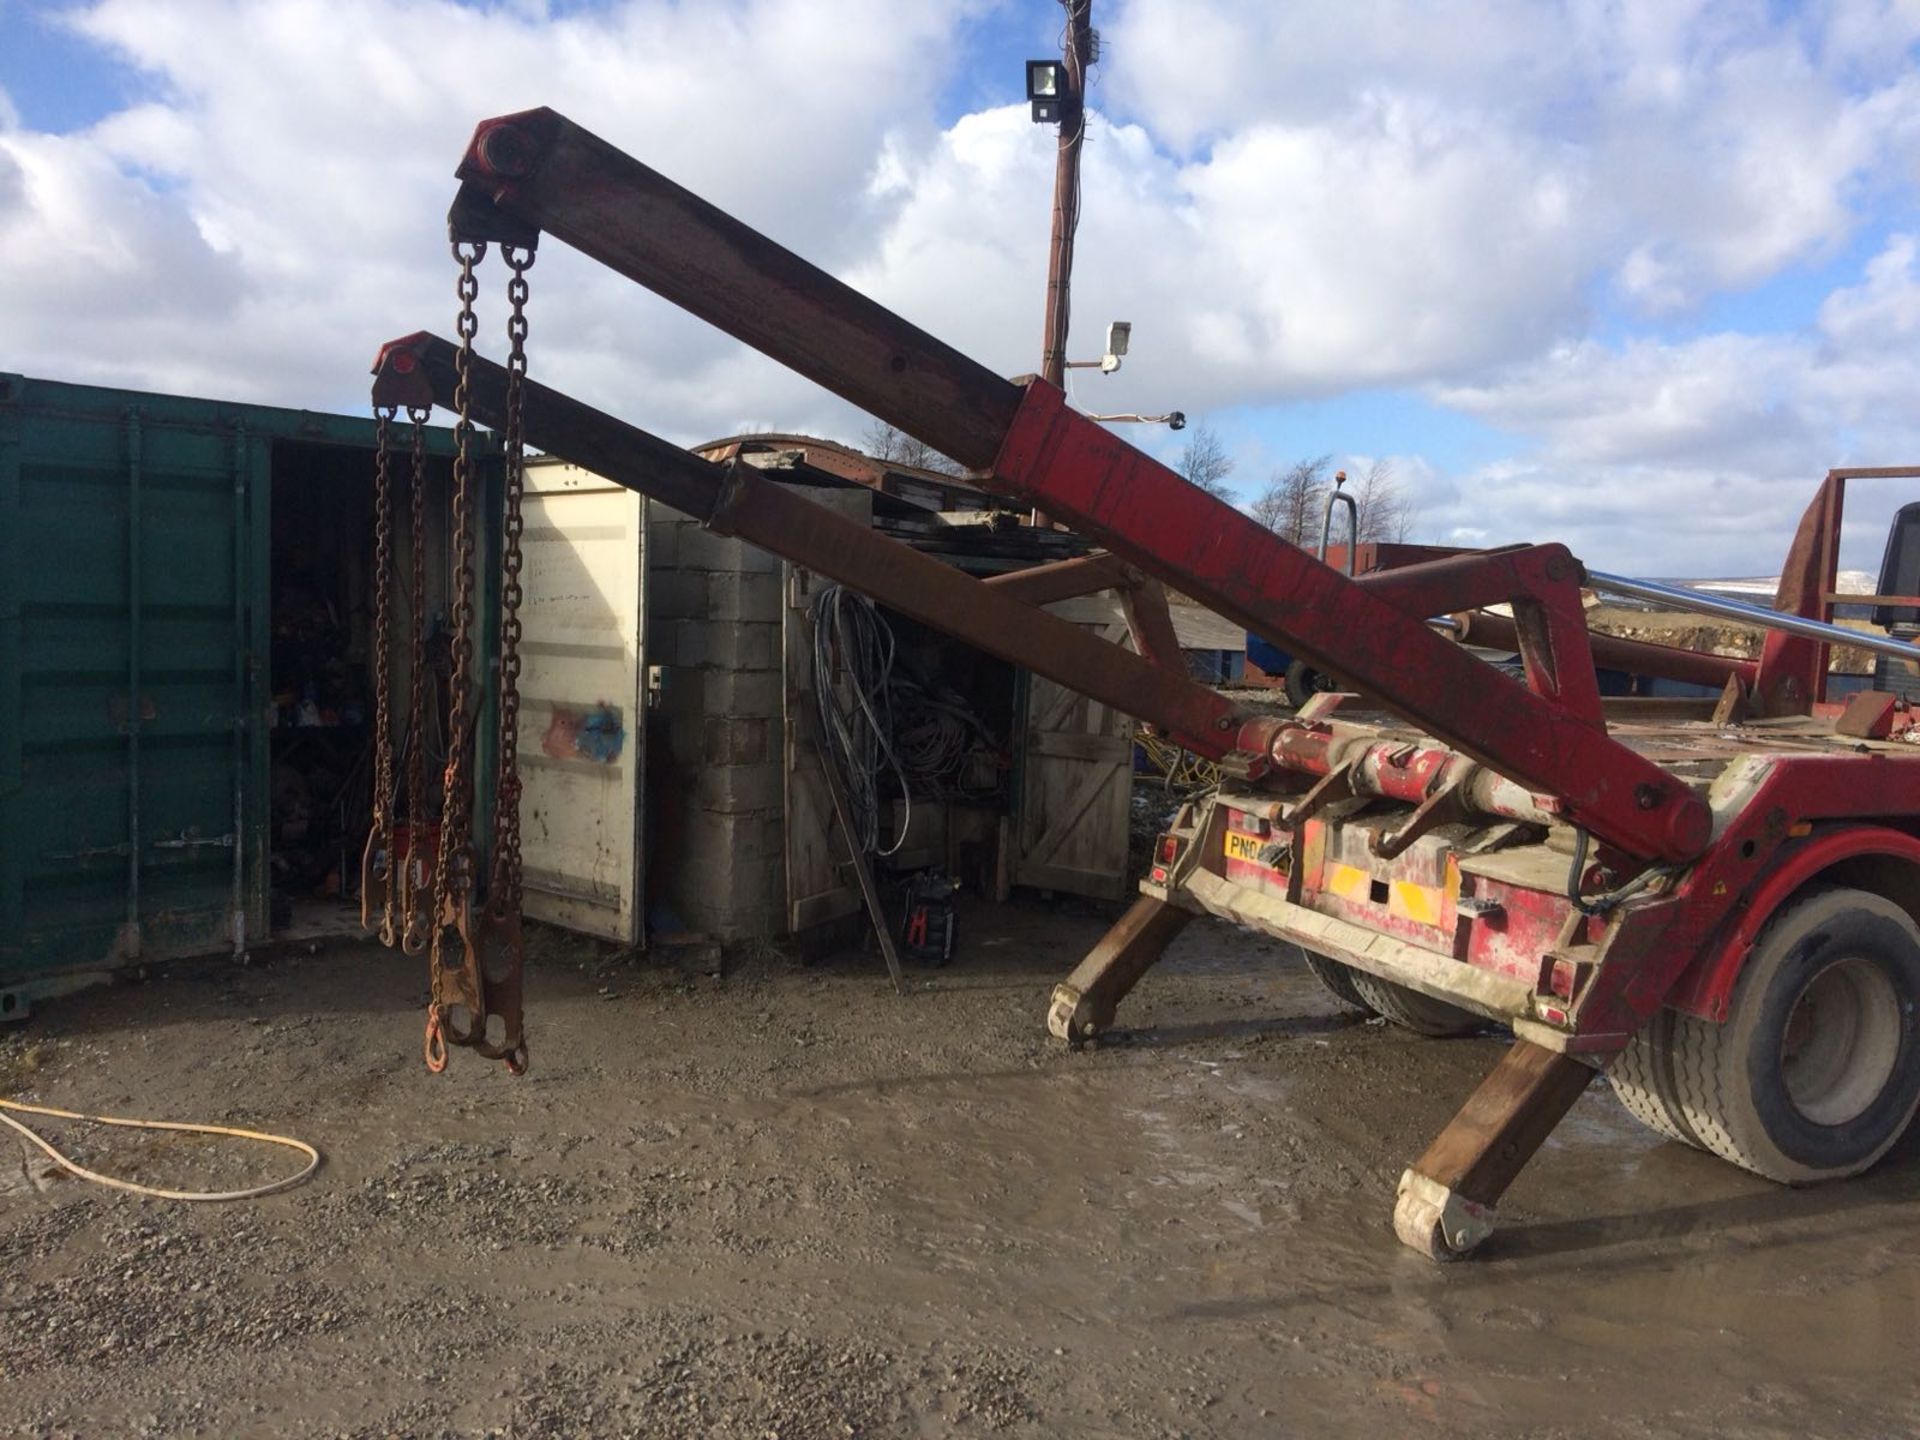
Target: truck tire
1816, 1072
1413, 1011
1303, 682
1642, 1076
1337, 980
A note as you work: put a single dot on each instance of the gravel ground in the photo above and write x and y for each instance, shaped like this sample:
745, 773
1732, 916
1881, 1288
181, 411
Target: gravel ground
789, 1205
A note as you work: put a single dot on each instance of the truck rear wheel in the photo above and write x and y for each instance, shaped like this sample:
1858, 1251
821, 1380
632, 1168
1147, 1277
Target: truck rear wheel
1302, 683
1816, 1072
1642, 1076
1336, 979
1413, 1011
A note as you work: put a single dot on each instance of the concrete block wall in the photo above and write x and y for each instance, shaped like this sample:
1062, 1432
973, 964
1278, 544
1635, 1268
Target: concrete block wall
714, 626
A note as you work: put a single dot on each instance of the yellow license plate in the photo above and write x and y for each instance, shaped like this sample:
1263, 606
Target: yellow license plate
1244, 847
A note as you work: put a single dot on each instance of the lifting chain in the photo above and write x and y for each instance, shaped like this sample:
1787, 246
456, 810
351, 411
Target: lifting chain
416, 880
503, 950
376, 864
457, 985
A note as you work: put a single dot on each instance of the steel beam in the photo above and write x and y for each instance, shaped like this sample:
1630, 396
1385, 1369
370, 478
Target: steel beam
1094, 482
537, 169
541, 169
735, 499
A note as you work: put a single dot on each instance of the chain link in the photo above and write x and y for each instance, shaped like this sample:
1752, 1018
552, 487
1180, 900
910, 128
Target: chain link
382, 619
377, 869
417, 924
505, 891
453, 866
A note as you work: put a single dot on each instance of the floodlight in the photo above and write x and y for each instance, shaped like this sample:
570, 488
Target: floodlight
1118, 333
1046, 84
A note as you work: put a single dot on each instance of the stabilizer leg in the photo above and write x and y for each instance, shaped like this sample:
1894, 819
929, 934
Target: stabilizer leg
1446, 1202
1083, 1004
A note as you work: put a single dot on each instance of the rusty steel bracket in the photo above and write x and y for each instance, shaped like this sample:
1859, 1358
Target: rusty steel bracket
1330, 789
475, 218
1447, 805
501, 954
459, 988
376, 884
416, 905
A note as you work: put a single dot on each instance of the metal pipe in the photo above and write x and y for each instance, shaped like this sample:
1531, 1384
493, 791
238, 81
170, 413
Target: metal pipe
1613, 652
1696, 603
1339, 497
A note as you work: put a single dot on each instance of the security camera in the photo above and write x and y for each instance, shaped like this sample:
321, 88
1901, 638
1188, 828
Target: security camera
1177, 420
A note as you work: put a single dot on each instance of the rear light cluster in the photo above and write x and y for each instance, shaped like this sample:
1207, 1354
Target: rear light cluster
1166, 850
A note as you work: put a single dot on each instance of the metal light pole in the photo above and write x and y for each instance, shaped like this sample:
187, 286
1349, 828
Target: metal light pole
1066, 188
1066, 104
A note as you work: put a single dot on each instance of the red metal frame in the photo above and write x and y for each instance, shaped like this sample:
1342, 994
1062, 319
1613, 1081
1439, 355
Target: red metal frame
1544, 744
1792, 674
1706, 987
538, 170
1547, 736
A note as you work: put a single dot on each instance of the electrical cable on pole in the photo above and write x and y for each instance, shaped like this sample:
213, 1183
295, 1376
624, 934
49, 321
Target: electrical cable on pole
1069, 108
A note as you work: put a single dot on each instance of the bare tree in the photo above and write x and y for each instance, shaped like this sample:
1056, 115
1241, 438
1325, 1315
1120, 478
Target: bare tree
896, 447
1290, 506
1206, 463
1386, 510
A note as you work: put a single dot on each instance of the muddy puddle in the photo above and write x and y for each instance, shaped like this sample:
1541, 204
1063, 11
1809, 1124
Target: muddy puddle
789, 1204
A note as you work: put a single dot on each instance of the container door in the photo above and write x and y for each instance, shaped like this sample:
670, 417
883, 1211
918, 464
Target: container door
583, 703
1075, 778
129, 711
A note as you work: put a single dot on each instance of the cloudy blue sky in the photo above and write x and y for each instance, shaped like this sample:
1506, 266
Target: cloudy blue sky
1628, 273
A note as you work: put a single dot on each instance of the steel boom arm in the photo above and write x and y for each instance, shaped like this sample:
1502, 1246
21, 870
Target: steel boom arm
735, 499
539, 171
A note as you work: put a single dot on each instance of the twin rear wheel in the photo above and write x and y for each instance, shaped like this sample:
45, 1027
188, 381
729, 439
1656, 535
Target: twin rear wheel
1422, 1014
1816, 1072
1814, 1075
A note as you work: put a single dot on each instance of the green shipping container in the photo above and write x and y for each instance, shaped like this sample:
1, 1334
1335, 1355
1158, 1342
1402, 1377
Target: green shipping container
145, 543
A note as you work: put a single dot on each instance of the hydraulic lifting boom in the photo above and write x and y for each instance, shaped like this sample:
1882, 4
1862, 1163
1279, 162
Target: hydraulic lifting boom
1494, 853
538, 172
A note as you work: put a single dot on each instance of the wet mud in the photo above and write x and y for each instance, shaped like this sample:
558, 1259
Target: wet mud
789, 1204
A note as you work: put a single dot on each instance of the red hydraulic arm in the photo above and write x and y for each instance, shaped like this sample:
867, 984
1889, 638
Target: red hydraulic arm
537, 171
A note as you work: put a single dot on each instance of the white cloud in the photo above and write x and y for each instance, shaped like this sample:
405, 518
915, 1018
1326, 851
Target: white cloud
1716, 141
1697, 457
294, 203
1289, 202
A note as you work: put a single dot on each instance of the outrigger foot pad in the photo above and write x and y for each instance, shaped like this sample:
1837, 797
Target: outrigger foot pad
1071, 1018
1440, 1223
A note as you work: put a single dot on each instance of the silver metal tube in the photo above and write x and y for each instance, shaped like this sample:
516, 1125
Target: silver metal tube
1340, 497
1678, 598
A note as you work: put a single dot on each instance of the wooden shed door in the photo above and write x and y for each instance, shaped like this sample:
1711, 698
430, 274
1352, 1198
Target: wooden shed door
1076, 779
583, 703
